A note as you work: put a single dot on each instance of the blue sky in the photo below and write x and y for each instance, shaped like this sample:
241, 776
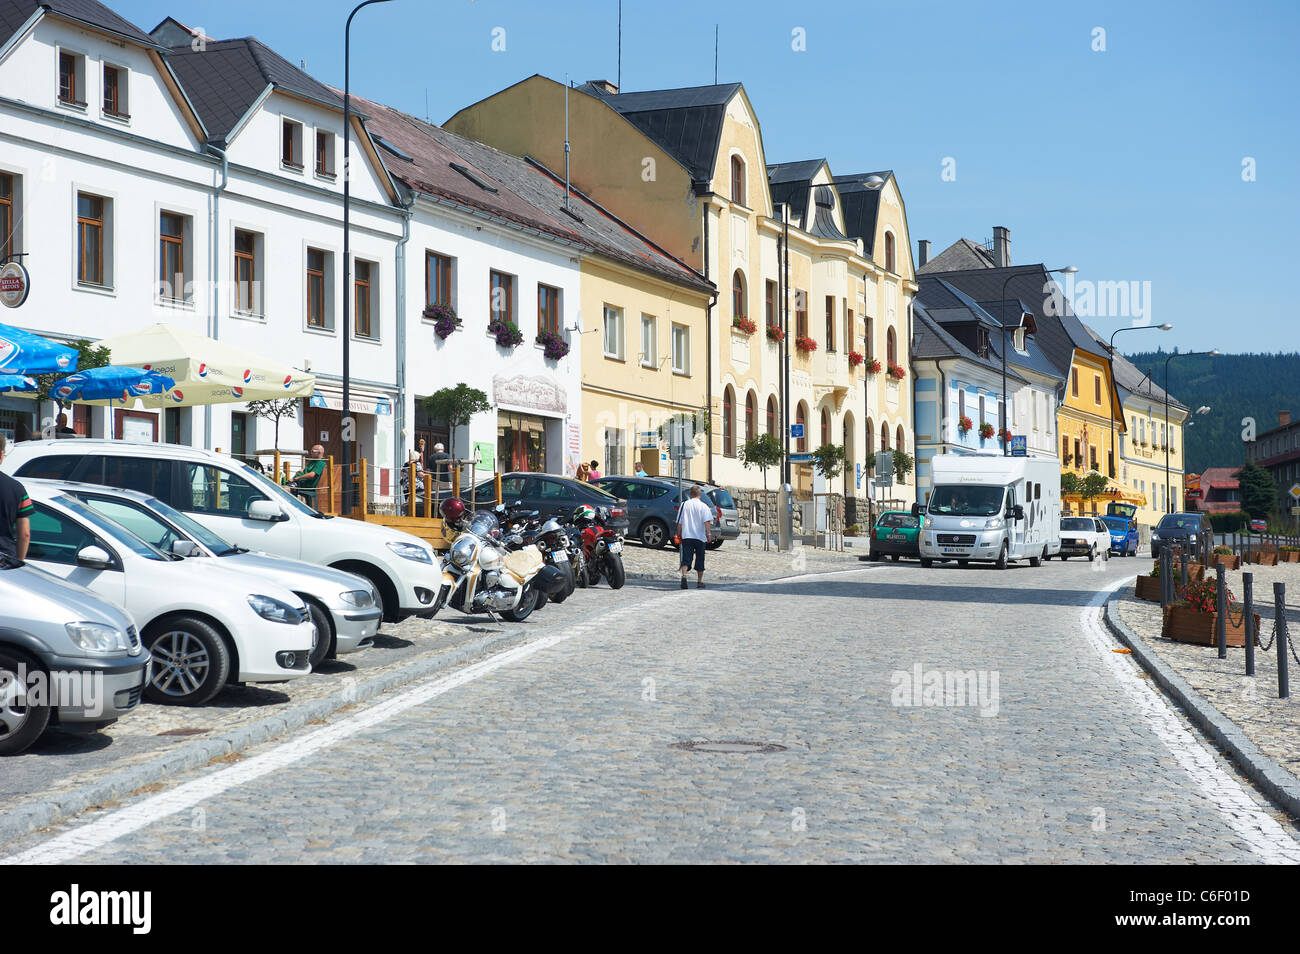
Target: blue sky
1125, 163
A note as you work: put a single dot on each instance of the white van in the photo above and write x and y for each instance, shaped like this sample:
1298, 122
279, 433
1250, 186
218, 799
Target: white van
250, 510
992, 509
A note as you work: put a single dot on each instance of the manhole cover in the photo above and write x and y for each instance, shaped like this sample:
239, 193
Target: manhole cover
185, 732
741, 746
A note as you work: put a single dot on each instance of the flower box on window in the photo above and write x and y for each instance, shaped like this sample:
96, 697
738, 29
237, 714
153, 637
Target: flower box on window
896, 372
775, 334
873, 366
444, 318
507, 333
1005, 437
986, 431
964, 425
856, 358
805, 344
744, 325
556, 347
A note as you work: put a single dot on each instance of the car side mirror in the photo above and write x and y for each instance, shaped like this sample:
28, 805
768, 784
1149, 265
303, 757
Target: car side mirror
185, 548
916, 509
1018, 512
265, 510
94, 557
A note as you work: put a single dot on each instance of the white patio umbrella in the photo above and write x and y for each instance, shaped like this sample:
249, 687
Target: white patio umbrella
205, 371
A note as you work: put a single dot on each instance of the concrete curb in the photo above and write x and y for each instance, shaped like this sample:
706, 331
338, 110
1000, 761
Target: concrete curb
29, 816
1276, 782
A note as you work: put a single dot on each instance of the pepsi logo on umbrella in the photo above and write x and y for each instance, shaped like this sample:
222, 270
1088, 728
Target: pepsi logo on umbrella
248, 375
203, 370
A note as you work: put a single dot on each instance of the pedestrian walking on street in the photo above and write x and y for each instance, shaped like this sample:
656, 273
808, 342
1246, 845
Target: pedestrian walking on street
693, 531
593, 472
15, 516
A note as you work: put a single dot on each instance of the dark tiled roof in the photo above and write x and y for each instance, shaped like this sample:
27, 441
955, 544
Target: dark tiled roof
861, 206
961, 255
14, 13
1133, 380
931, 340
686, 122
225, 77
526, 193
789, 183
1222, 477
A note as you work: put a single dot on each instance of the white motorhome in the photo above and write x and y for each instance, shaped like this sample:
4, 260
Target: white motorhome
993, 509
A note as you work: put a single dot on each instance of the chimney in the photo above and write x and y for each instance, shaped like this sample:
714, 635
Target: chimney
605, 86
923, 252
1001, 246
1283, 418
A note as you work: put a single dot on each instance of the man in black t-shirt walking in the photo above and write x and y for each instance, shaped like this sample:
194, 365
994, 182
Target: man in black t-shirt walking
15, 515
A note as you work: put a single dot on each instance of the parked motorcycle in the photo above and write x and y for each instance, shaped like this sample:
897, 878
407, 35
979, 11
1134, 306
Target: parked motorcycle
480, 575
521, 528
602, 547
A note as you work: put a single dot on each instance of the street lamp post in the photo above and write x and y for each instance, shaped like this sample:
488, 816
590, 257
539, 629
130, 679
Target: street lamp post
1213, 352
1114, 454
346, 420
1002, 320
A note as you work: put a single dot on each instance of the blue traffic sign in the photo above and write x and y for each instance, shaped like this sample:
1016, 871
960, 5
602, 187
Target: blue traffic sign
801, 458
1019, 448
796, 431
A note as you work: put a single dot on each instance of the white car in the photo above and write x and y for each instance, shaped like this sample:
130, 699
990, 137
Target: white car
1084, 536
205, 626
342, 605
245, 508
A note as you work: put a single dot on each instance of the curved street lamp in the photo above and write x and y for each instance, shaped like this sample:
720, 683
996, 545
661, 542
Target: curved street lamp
1213, 352
1114, 453
1002, 320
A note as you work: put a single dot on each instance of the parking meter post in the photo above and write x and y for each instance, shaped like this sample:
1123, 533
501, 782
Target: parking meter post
1282, 648
1248, 598
1221, 610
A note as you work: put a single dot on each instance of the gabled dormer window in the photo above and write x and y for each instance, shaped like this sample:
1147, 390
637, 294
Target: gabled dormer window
115, 92
291, 145
72, 79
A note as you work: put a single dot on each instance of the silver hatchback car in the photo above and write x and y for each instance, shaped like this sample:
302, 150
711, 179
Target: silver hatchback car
66, 656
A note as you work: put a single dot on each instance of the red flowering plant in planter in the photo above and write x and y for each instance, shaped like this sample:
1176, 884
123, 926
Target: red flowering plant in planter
964, 424
775, 334
744, 325
444, 318
556, 347
856, 358
1005, 437
805, 344
1201, 597
873, 366
896, 372
986, 431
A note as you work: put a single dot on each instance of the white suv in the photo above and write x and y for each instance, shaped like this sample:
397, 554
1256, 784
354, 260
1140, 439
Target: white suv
205, 625
248, 509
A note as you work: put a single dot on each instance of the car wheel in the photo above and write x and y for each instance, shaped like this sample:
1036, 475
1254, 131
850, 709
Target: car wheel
22, 720
190, 662
895, 557
714, 544
654, 534
926, 564
1002, 557
963, 562
525, 607
323, 647
1092, 554
1038, 560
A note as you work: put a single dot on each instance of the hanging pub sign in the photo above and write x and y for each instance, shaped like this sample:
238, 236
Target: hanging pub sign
15, 283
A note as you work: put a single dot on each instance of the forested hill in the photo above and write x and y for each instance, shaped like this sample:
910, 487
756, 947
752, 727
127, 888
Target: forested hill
1233, 386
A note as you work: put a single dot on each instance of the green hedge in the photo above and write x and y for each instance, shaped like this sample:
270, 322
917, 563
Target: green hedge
1229, 522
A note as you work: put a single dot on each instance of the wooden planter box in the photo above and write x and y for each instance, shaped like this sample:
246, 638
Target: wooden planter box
1229, 561
1186, 625
1147, 588
1288, 556
1263, 559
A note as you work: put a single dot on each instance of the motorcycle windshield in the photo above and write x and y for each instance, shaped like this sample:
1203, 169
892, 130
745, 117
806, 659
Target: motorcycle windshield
484, 523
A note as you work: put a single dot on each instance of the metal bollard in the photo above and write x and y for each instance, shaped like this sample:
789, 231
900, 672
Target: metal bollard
1248, 598
1221, 611
1166, 579
1186, 582
1281, 647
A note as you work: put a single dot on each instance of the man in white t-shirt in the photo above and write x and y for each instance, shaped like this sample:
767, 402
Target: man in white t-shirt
693, 518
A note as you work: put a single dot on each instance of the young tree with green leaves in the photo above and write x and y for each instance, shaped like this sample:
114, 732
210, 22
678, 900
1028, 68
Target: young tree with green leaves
828, 460
274, 410
455, 407
763, 451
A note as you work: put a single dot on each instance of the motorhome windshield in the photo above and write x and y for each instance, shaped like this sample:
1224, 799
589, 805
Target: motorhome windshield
966, 501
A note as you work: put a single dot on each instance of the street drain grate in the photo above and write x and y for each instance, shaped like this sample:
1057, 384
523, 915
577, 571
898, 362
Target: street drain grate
730, 746
185, 732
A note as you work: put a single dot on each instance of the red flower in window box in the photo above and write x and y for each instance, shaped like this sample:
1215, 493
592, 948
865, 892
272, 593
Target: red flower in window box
1005, 437
856, 358
805, 344
964, 424
873, 366
744, 324
896, 372
775, 334
986, 431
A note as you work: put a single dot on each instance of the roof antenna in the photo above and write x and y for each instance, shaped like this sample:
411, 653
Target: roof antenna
567, 83
426, 104
715, 54
620, 44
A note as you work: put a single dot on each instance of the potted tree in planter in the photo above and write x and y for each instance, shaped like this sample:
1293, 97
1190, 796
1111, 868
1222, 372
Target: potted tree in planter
1192, 619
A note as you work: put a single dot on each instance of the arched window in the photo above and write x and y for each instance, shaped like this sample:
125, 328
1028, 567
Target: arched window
771, 415
738, 180
889, 252
891, 346
871, 447
738, 309
884, 435
826, 428
801, 418
728, 422
900, 442
751, 410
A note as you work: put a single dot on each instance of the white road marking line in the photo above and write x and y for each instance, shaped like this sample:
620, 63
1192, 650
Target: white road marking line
1239, 811
94, 835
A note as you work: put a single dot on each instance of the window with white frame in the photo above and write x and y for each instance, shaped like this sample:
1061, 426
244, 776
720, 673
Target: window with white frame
249, 268
649, 356
11, 215
320, 289
615, 450
94, 240
681, 349
175, 257
116, 92
291, 145
325, 153
72, 79
365, 308
613, 332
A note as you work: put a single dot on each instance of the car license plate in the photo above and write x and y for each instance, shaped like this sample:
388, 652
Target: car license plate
731, 523
952, 550
895, 536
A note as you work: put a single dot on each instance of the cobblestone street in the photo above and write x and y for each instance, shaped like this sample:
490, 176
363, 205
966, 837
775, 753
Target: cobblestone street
568, 747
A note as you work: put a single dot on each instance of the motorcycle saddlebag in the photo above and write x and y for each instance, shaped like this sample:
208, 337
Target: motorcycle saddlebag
551, 580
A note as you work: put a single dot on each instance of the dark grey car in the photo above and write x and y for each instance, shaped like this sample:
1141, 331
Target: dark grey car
1190, 530
552, 496
651, 506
